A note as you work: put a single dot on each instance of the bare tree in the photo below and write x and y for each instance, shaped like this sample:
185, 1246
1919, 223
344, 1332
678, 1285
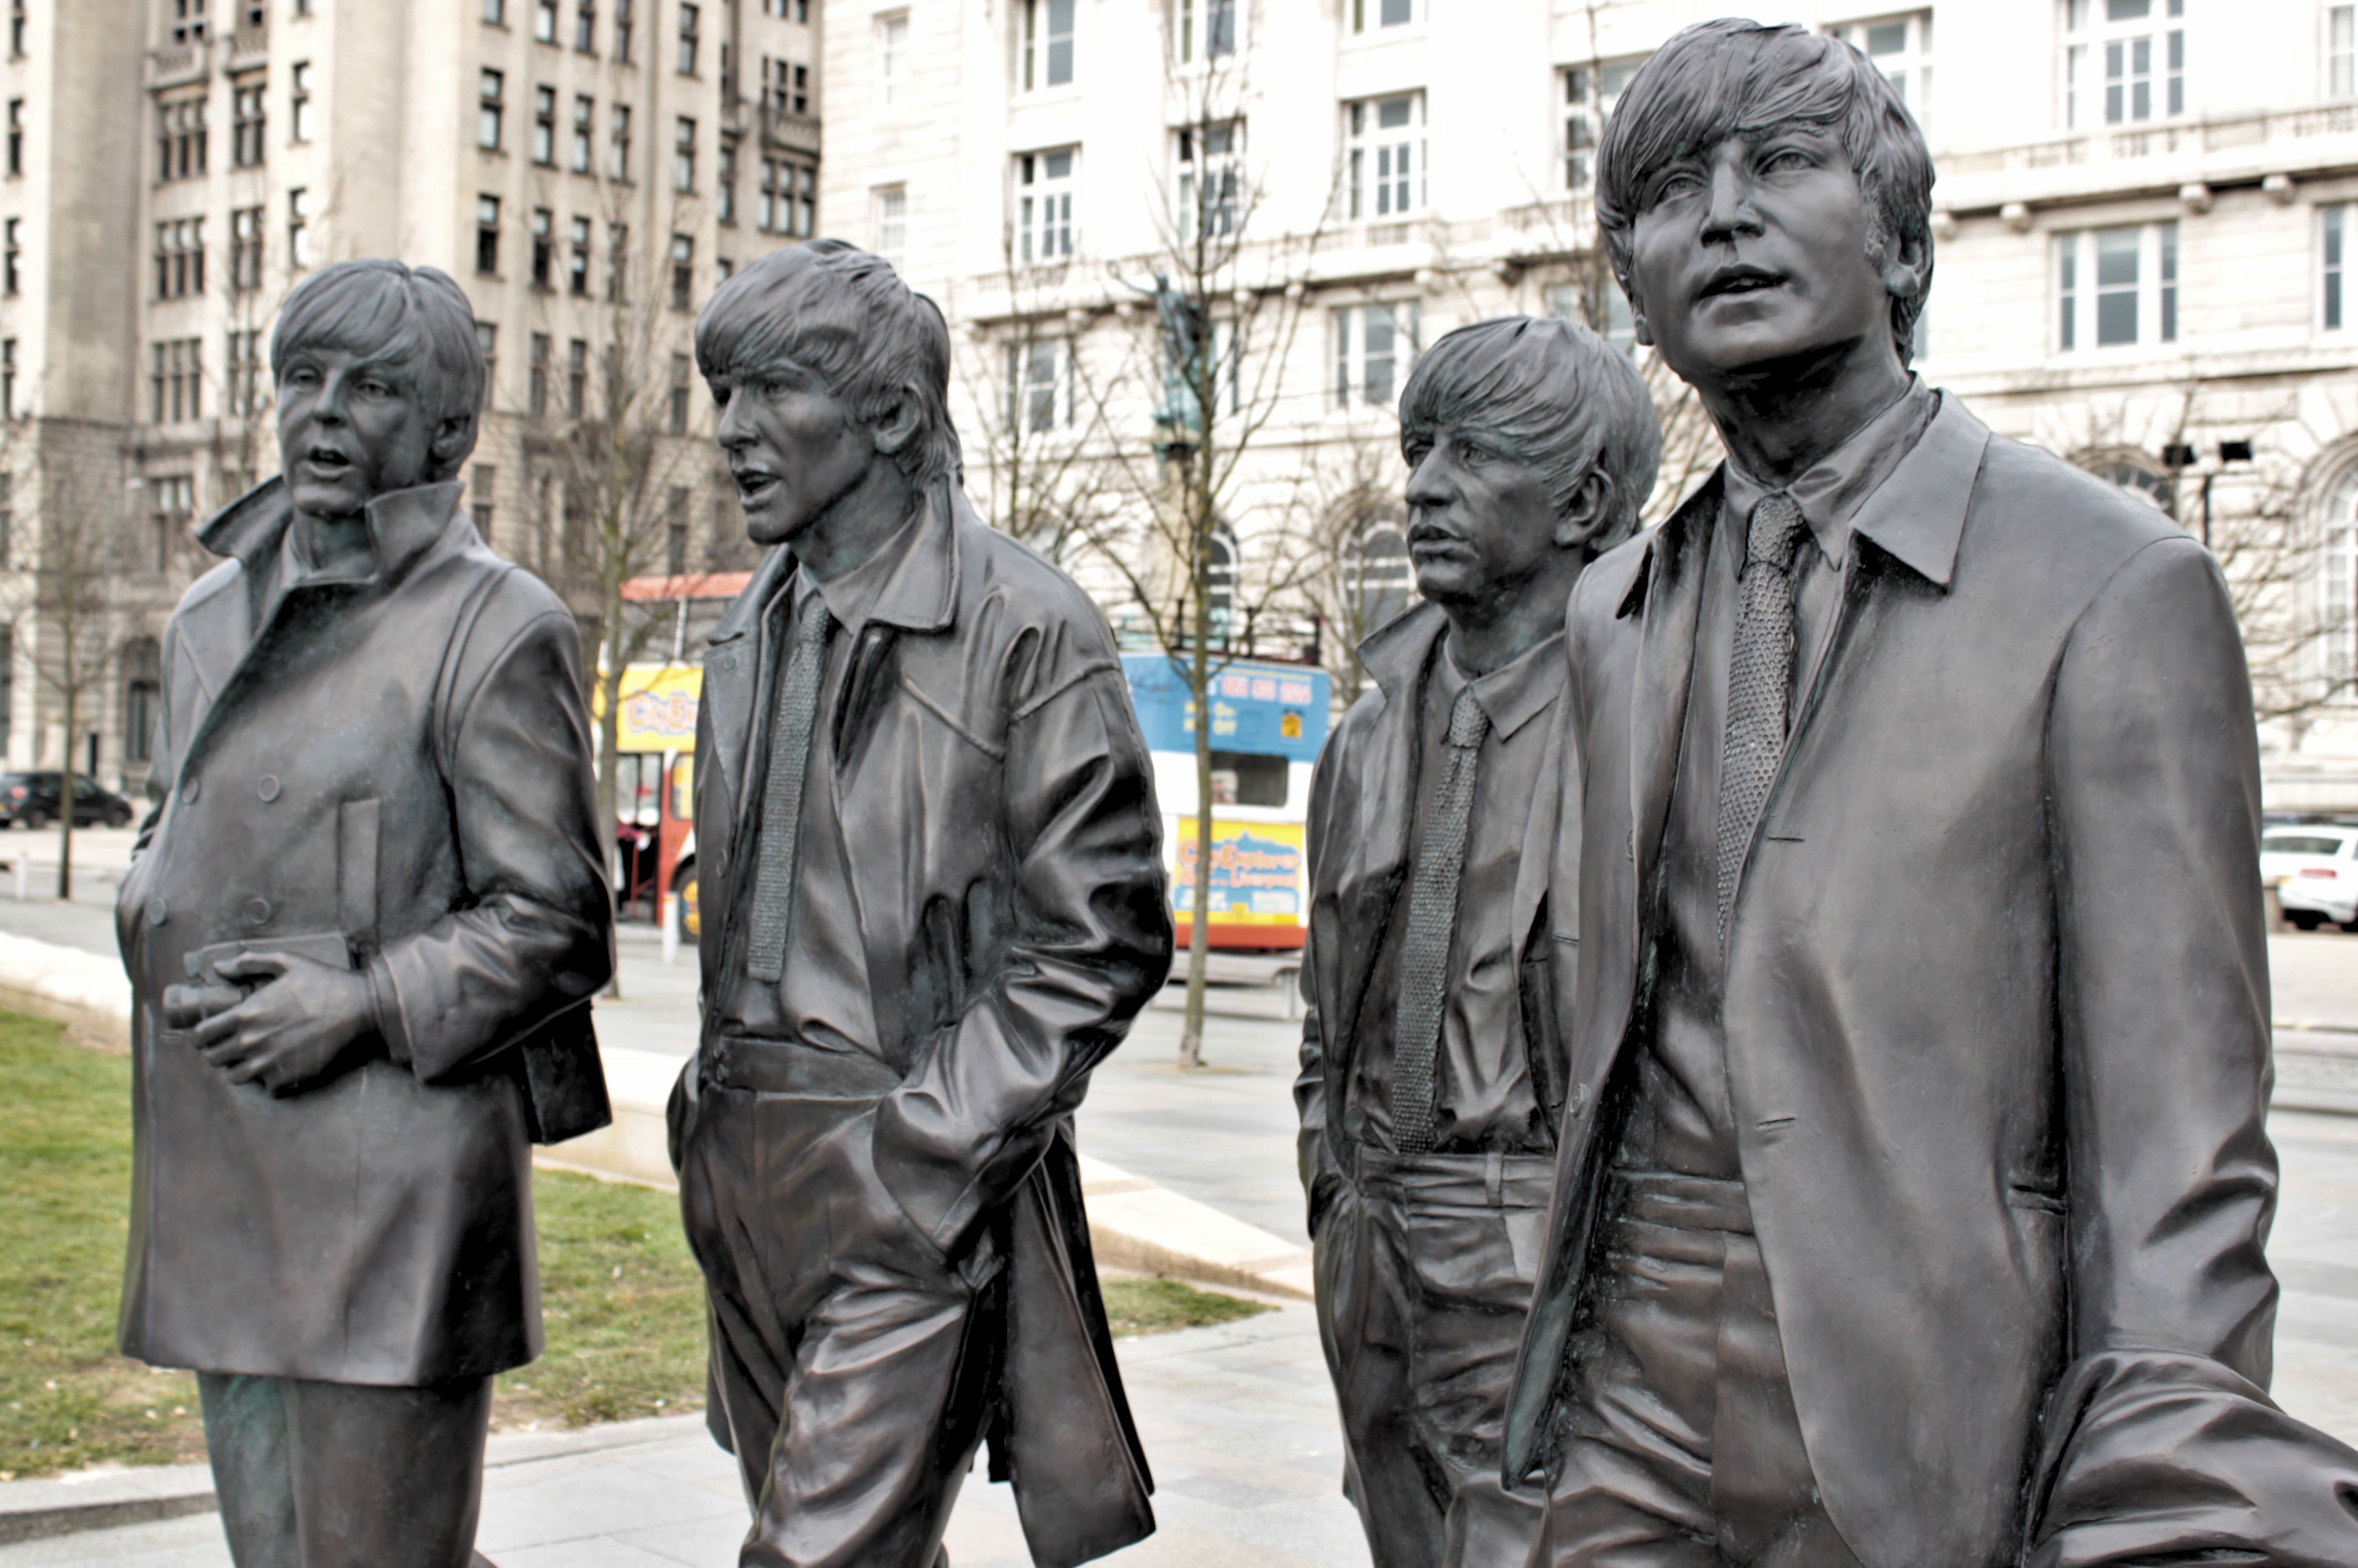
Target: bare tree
81, 627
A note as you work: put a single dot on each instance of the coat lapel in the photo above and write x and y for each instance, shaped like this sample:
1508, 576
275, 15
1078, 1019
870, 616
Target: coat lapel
1672, 591
733, 672
1395, 656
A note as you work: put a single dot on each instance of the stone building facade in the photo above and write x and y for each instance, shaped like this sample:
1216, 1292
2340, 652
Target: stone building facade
586, 169
2145, 213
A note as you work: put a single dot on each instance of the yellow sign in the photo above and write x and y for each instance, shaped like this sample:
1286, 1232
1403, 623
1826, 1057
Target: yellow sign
659, 707
1256, 873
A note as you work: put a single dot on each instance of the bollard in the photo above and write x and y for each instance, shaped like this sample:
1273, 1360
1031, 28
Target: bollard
671, 928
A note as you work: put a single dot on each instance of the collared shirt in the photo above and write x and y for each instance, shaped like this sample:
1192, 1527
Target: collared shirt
821, 996
1682, 1122
1484, 1097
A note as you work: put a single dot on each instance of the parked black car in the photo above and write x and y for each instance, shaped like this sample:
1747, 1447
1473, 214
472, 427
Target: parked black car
31, 800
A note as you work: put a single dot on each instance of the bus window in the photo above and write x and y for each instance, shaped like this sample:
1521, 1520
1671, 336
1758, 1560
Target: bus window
683, 789
1247, 778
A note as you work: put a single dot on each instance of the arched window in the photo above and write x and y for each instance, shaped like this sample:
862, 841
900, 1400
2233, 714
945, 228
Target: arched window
2145, 482
1383, 579
143, 700
2338, 582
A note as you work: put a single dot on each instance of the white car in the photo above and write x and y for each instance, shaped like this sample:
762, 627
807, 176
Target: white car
2314, 868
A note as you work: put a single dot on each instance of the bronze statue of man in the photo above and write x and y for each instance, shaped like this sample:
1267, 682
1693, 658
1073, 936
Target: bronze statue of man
935, 900
366, 910
1433, 1055
1913, 1184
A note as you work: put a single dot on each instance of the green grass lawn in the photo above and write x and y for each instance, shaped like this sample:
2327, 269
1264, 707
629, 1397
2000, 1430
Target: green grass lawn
620, 1294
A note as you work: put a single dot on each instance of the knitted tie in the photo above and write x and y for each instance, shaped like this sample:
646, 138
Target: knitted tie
1759, 677
1431, 917
781, 791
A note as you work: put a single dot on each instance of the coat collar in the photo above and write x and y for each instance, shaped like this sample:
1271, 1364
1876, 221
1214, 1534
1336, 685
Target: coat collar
920, 595
402, 525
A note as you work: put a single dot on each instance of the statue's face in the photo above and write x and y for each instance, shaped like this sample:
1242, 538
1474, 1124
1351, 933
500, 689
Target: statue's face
1754, 252
794, 450
1479, 521
348, 431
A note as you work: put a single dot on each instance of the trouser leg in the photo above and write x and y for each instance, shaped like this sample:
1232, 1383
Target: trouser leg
1364, 1311
246, 1438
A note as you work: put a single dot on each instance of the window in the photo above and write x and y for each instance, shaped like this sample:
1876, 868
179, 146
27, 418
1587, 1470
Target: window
1374, 346
543, 20
683, 155
2338, 579
2127, 50
1589, 94
544, 125
181, 258
1383, 576
189, 24
1381, 12
1901, 48
618, 148
257, 12
622, 32
577, 265
544, 244
789, 197
585, 27
487, 343
1600, 306
1043, 206
1206, 29
577, 375
891, 222
1039, 384
1221, 583
800, 98
15, 137
298, 228
496, 12
175, 382
298, 103
676, 530
2116, 287
537, 383
179, 139
683, 272
487, 234
618, 263
723, 269
1047, 44
687, 40
1387, 155
1211, 176
482, 487
891, 56
488, 110
2332, 255
12, 264
724, 184
2341, 51
246, 249
16, 24
243, 383
249, 99
173, 499
585, 114
7, 379
677, 410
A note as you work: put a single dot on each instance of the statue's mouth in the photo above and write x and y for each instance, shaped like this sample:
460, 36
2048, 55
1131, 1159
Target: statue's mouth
1739, 280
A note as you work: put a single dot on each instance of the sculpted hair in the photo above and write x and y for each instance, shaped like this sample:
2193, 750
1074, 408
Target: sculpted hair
845, 319
1724, 79
412, 320
1550, 393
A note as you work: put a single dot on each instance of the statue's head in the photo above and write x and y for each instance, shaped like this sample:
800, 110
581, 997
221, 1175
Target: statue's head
1525, 437
824, 362
1763, 192
379, 379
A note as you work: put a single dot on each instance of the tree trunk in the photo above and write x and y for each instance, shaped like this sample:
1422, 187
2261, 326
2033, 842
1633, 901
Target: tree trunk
610, 751
66, 799
1199, 686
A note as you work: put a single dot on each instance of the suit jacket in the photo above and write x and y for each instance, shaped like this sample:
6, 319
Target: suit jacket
1362, 797
1004, 853
1998, 1027
397, 758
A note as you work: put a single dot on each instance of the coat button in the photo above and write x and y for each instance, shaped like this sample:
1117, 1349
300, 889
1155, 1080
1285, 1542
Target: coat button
158, 912
268, 788
257, 911
189, 792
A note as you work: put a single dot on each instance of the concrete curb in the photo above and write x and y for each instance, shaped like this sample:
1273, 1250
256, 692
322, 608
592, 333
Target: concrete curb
85, 991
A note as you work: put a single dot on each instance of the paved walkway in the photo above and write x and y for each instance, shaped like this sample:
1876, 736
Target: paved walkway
1237, 1420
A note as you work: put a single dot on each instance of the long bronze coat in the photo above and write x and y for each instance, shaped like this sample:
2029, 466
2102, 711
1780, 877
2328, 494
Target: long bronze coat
400, 758
1998, 1024
1003, 846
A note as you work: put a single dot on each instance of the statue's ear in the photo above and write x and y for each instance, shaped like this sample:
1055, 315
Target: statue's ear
453, 439
1586, 516
1904, 265
897, 426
